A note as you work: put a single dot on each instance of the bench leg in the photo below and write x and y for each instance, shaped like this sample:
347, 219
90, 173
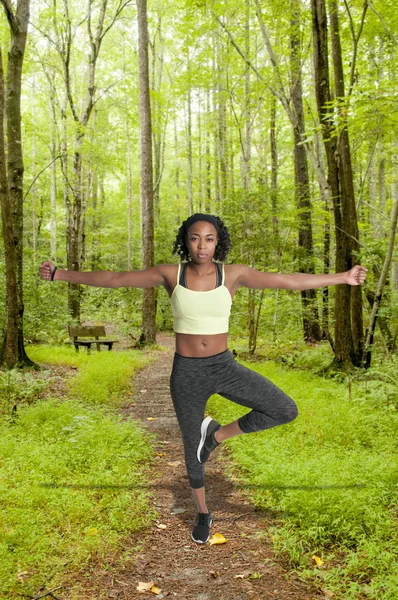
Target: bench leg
98, 347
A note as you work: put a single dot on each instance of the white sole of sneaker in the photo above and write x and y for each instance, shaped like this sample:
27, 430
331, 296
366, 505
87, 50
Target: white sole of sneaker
203, 431
200, 541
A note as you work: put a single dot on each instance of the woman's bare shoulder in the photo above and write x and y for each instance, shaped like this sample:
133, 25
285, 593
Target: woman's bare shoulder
233, 274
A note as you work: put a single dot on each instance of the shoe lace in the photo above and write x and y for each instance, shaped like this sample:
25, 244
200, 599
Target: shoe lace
203, 518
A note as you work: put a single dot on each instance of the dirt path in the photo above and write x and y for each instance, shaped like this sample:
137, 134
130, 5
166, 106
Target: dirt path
242, 568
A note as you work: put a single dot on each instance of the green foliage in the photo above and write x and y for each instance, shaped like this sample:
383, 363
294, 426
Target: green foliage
72, 483
18, 388
330, 480
103, 377
71, 489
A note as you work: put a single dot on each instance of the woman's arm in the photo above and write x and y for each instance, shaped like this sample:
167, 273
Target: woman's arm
108, 279
251, 278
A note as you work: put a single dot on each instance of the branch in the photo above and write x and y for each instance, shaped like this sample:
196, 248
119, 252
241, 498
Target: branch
10, 16
382, 280
355, 42
239, 51
37, 176
382, 20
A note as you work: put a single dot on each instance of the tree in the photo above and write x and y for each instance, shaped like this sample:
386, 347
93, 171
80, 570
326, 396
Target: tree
149, 295
18, 23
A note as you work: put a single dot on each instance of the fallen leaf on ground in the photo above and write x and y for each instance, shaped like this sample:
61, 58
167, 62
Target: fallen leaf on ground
174, 464
144, 586
178, 511
217, 538
161, 454
318, 560
155, 590
242, 575
327, 593
150, 419
161, 526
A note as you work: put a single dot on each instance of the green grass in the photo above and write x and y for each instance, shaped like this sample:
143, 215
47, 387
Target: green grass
74, 476
103, 377
330, 480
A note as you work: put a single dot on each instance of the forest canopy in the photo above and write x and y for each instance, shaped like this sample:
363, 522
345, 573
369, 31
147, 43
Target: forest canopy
279, 116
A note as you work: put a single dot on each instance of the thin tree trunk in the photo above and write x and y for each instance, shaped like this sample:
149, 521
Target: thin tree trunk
274, 180
149, 294
380, 286
9, 349
222, 123
200, 186
53, 180
208, 166
33, 190
189, 140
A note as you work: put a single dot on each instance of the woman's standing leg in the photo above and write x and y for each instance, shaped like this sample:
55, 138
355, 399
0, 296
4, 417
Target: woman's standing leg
190, 389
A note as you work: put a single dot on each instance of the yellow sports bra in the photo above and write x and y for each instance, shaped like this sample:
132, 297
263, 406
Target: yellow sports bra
201, 313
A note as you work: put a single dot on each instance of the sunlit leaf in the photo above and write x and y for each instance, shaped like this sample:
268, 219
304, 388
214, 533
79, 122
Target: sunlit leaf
217, 538
155, 590
144, 586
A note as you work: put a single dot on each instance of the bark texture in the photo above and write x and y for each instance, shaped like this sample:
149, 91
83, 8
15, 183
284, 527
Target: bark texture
149, 295
18, 23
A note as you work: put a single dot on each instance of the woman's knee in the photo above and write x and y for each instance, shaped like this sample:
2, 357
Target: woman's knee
291, 411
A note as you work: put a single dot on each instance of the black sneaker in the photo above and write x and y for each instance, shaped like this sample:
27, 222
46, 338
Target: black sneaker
201, 531
207, 440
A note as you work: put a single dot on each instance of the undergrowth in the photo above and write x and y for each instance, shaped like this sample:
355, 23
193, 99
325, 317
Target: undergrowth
74, 474
328, 480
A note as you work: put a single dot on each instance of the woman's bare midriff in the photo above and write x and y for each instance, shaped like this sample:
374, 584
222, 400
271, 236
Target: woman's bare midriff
199, 346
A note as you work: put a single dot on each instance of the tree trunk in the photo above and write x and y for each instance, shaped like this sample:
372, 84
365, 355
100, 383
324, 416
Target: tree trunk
312, 331
347, 193
53, 180
9, 349
149, 295
208, 165
189, 140
274, 180
222, 122
18, 23
344, 350
380, 286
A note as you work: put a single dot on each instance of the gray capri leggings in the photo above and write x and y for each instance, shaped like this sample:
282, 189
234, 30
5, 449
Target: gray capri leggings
194, 380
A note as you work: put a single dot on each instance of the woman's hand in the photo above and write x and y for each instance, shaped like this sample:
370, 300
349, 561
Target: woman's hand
46, 269
356, 275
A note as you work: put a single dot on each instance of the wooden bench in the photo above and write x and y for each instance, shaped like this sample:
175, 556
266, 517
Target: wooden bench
80, 331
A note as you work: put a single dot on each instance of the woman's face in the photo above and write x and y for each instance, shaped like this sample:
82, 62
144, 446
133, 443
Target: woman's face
202, 241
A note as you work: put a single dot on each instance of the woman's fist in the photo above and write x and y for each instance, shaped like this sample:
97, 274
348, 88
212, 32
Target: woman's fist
356, 275
46, 269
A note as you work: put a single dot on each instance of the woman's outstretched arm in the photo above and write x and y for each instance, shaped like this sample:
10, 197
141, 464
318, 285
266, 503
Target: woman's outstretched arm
148, 278
252, 278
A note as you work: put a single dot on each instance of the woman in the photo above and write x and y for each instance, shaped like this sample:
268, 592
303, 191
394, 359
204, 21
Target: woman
201, 292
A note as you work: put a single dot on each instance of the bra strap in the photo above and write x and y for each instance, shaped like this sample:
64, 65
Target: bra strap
178, 273
223, 274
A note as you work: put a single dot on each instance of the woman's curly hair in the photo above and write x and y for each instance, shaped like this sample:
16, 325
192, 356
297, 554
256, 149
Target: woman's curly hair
223, 245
